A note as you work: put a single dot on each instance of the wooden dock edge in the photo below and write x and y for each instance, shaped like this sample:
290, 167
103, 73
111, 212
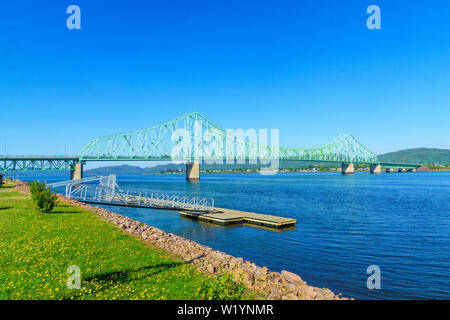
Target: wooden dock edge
231, 216
243, 219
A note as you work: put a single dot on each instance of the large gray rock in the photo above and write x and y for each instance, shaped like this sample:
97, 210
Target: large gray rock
210, 268
292, 277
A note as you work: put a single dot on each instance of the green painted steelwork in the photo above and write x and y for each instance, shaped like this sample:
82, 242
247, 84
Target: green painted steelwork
155, 144
386, 165
206, 142
37, 163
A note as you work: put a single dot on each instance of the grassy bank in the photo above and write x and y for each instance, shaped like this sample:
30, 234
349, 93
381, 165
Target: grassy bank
36, 250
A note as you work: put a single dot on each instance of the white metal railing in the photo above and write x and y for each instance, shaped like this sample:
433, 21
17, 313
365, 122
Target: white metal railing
108, 192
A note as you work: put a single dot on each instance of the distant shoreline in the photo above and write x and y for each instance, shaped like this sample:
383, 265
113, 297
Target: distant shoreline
241, 172
171, 168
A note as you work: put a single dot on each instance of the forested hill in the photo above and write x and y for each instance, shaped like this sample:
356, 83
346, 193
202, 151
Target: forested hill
418, 155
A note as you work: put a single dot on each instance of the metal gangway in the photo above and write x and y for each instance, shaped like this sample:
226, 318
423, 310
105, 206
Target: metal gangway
107, 191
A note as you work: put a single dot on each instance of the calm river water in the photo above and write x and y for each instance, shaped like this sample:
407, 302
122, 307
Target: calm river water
399, 221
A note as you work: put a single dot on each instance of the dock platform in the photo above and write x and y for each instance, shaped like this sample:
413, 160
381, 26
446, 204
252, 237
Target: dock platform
200, 208
224, 216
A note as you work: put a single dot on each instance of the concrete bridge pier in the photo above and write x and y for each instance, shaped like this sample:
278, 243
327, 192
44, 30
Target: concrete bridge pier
77, 173
402, 170
389, 170
375, 168
347, 168
412, 170
193, 171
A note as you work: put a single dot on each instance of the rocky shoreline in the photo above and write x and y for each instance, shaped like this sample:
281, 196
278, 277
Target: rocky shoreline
271, 285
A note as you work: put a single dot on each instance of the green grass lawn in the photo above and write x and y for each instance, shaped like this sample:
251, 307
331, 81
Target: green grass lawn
36, 250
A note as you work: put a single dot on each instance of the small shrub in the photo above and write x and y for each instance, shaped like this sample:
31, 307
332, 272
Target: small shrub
35, 188
42, 198
221, 288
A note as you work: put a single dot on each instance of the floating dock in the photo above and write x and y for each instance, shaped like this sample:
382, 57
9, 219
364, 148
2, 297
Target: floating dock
224, 216
200, 208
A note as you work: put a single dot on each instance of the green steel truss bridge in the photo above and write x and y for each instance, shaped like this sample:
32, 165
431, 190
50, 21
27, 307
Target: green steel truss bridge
193, 137
37, 163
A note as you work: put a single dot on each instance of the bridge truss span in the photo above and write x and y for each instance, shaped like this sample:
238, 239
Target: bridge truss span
38, 163
345, 148
193, 137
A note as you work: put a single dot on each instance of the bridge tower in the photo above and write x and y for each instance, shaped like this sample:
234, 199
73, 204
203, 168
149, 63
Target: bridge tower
347, 168
193, 171
77, 173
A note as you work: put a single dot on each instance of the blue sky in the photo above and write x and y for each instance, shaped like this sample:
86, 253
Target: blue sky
310, 68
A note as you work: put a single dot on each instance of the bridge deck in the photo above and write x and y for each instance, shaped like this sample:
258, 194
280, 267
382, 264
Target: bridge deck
228, 216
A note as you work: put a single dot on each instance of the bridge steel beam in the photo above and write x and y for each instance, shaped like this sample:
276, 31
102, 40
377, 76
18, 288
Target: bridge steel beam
398, 165
193, 137
37, 163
